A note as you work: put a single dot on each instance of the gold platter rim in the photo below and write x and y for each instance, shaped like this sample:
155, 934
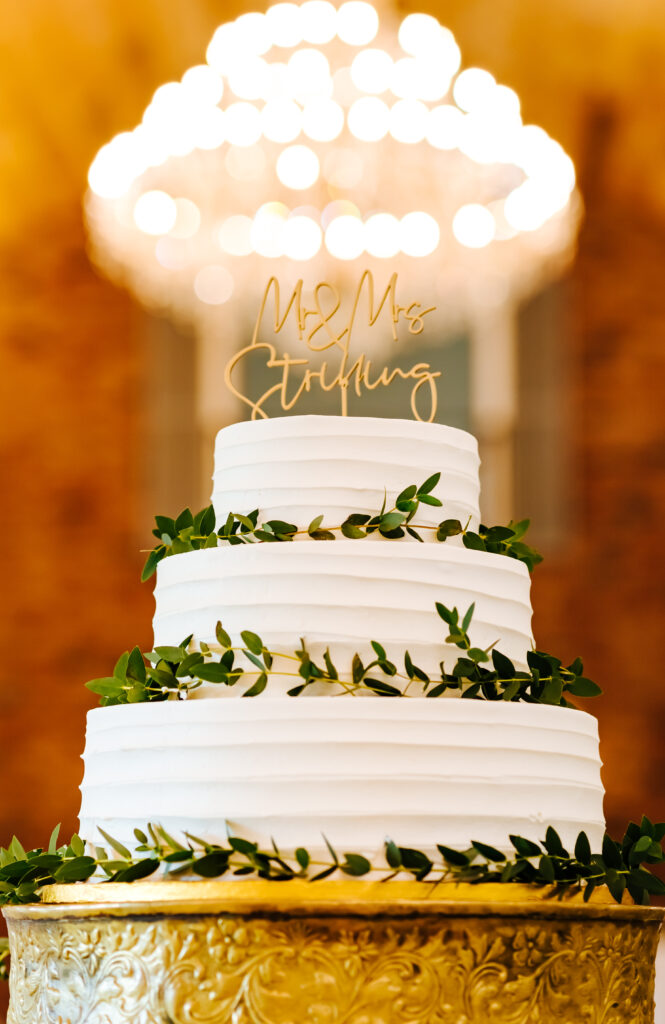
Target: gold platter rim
328, 897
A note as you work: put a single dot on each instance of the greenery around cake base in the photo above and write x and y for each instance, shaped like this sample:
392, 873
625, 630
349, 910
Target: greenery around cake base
620, 866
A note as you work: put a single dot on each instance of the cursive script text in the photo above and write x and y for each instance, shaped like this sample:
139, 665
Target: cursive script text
323, 327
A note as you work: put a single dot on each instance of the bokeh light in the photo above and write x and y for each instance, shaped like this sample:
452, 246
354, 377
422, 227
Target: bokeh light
297, 167
368, 119
306, 136
345, 237
357, 23
322, 119
155, 212
213, 284
418, 234
235, 235
301, 238
474, 226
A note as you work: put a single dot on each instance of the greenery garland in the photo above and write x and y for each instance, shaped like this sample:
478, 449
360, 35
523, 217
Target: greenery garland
621, 866
174, 672
190, 532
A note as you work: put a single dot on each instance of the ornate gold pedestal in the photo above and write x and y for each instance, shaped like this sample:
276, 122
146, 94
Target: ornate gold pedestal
349, 952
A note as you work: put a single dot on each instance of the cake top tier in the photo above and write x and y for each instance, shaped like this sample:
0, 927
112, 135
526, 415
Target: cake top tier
297, 467
250, 431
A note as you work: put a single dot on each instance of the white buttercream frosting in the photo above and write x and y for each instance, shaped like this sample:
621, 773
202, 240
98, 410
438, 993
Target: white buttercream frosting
341, 594
298, 467
419, 771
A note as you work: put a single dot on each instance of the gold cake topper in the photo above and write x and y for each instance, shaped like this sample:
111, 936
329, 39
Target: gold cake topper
325, 327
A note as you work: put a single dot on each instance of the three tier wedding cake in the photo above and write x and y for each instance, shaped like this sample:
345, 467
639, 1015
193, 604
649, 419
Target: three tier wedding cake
341, 761
343, 691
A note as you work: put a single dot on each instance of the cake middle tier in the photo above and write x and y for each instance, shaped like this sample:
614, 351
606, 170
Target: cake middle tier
341, 595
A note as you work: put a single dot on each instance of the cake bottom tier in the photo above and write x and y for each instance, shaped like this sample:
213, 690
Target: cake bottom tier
358, 771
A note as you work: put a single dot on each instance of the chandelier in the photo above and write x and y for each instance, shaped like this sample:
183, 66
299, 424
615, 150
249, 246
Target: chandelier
317, 141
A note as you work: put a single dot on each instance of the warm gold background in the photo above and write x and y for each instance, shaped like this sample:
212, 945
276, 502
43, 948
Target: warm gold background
74, 364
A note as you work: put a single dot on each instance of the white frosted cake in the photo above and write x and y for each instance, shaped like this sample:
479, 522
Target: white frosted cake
358, 770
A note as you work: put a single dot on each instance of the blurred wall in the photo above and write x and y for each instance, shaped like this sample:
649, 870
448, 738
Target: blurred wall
74, 361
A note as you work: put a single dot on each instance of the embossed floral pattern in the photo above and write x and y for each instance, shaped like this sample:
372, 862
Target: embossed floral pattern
206, 969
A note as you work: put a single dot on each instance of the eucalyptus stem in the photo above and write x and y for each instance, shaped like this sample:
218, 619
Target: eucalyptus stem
621, 866
176, 671
190, 532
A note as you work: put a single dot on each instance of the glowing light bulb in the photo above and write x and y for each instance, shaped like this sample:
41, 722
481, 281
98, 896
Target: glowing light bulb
322, 119
408, 121
213, 285
418, 32
242, 123
382, 235
203, 84
445, 126
474, 226
268, 230
208, 127
281, 120
178, 119
301, 238
473, 88
222, 52
253, 33
483, 139
170, 95
419, 78
528, 206
543, 159
309, 74
345, 237
421, 36
155, 212
187, 220
447, 52
318, 20
405, 78
371, 70
113, 170
418, 234
504, 105
368, 119
285, 24
297, 167
277, 86
149, 148
235, 235
357, 23
250, 78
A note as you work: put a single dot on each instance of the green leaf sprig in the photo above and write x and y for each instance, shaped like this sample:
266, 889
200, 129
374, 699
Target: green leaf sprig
174, 672
546, 682
621, 866
192, 532
186, 533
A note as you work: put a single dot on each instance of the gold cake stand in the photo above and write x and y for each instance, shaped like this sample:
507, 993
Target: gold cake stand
330, 952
